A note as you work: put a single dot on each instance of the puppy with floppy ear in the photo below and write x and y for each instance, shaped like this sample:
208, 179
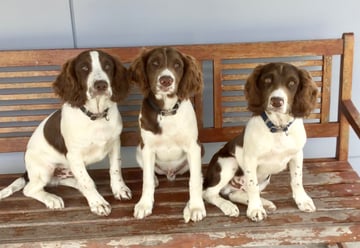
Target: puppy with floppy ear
82, 132
305, 97
67, 87
169, 135
191, 82
279, 95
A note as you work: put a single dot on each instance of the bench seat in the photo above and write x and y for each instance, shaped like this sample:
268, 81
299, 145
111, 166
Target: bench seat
335, 189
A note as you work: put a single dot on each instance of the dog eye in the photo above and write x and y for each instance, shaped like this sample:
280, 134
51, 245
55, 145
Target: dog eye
107, 67
155, 63
177, 65
291, 84
85, 68
268, 80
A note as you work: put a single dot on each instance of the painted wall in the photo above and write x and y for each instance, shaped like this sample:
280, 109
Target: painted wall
35, 24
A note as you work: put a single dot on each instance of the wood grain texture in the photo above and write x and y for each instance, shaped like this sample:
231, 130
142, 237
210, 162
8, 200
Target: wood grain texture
335, 189
346, 70
352, 115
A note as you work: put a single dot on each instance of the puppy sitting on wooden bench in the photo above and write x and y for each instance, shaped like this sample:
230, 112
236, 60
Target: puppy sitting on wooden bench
83, 131
169, 135
279, 95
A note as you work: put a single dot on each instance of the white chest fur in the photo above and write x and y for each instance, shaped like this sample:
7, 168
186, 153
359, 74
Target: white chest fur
271, 152
93, 139
177, 131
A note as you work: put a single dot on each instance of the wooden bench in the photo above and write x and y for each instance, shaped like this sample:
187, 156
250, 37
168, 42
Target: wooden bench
26, 98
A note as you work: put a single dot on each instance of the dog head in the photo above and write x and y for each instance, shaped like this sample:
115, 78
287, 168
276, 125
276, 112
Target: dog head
281, 87
89, 75
166, 71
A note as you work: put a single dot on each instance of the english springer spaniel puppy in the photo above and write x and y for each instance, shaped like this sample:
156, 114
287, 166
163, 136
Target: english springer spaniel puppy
279, 95
83, 131
169, 136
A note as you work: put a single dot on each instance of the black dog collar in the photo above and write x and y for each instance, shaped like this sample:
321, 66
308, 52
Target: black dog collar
96, 116
163, 112
272, 127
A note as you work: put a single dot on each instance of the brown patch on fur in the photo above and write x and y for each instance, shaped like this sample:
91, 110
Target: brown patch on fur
68, 87
306, 96
120, 83
62, 173
52, 133
192, 80
148, 120
212, 176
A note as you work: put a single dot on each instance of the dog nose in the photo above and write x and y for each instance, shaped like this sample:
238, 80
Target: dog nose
277, 102
100, 85
166, 81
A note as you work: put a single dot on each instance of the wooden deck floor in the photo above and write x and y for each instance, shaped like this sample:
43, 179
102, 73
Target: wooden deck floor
334, 186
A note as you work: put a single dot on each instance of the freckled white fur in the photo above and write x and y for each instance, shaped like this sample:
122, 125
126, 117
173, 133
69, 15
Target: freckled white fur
87, 141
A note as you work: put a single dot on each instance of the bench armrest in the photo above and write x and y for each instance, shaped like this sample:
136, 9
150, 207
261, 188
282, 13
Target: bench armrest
352, 115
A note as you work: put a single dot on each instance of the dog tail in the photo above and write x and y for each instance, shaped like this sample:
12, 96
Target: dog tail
15, 186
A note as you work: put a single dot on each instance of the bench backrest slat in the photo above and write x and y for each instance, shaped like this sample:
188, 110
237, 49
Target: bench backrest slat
26, 96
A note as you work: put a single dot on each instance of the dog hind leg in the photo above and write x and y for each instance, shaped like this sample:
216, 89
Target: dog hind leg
40, 174
35, 189
212, 194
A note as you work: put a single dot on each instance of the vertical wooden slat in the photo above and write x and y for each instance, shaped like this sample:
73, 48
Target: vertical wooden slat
217, 93
346, 69
325, 92
198, 102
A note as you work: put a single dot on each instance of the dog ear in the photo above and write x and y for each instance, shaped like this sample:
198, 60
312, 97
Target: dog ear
137, 72
306, 95
253, 93
120, 82
68, 88
192, 80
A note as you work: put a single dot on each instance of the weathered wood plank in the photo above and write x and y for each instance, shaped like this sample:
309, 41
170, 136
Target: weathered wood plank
174, 224
203, 52
101, 176
352, 115
346, 70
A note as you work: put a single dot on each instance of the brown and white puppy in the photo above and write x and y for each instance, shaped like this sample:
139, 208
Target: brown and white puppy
83, 131
169, 135
279, 95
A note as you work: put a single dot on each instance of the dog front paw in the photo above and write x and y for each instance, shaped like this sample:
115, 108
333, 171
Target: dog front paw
53, 201
230, 209
305, 203
269, 206
100, 206
142, 209
256, 214
121, 192
195, 212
